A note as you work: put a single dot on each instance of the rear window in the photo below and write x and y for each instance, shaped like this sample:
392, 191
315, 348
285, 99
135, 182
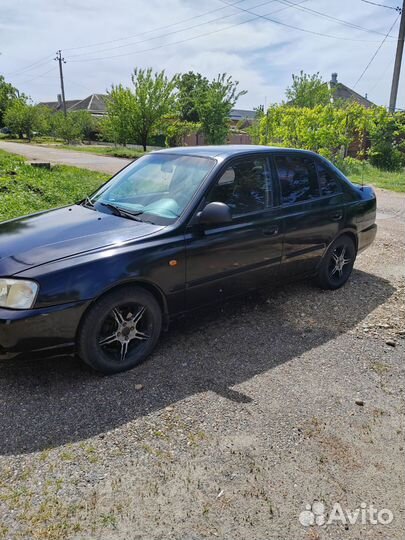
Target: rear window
298, 178
328, 181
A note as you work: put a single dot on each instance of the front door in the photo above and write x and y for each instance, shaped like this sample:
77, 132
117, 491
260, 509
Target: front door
230, 259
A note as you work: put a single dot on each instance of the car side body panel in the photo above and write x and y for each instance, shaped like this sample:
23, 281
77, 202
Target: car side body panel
224, 261
184, 265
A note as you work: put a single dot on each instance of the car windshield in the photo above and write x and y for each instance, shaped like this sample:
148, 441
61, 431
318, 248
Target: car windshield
156, 188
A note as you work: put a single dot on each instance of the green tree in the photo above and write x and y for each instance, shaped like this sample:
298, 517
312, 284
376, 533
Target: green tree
75, 126
87, 124
154, 98
308, 91
116, 127
387, 135
8, 94
43, 122
190, 87
137, 114
324, 129
25, 119
254, 129
214, 106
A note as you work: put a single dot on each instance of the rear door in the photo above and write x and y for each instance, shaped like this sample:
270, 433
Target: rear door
312, 202
229, 259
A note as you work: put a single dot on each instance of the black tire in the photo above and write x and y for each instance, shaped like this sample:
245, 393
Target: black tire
128, 339
332, 274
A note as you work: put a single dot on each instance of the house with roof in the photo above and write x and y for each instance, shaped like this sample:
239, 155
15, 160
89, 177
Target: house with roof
343, 92
94, 104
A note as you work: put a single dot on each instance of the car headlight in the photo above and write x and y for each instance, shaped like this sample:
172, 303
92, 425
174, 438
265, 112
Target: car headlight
17, 293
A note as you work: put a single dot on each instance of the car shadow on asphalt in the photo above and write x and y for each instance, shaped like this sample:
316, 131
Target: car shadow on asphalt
47, 402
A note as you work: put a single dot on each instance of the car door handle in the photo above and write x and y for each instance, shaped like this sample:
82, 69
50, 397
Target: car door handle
271, 232
337, 216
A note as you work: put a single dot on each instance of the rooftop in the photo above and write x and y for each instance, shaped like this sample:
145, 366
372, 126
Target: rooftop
226, 150
95, 104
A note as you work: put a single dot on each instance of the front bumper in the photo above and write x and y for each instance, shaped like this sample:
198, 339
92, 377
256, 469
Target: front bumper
38, 329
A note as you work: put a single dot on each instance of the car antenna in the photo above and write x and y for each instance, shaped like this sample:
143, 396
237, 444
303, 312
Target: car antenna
363, 166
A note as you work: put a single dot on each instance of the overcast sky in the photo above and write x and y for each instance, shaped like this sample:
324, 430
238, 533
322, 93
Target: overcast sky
206, 36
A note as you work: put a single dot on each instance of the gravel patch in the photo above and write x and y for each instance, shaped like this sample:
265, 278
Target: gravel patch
243, 416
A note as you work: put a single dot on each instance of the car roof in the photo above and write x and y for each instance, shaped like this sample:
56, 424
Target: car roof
227, 150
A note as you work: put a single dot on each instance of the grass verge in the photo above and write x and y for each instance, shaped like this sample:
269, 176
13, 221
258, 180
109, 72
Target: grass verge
394, 181
115, 151
121, 152
25, 189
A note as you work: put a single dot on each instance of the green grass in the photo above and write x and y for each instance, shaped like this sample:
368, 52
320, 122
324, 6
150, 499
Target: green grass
49, 142
122, 152
369, 175
25, 189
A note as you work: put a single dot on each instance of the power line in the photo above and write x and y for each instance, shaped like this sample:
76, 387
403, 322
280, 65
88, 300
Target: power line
150, 31
91, 45
169, 33
382, 5
376, 52
38, 63
255, 17
37, 76
381, 78
179, 41
330, 17
298, 28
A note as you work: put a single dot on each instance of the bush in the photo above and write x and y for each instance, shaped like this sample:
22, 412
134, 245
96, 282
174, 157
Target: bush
26, 120
385, 157
350, 165
332, 131
387, 135
74, 127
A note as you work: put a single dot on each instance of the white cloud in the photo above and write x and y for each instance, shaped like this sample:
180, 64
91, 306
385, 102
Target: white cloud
260, 54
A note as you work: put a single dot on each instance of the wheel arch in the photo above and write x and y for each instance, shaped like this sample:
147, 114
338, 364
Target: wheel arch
154, 289
351, 233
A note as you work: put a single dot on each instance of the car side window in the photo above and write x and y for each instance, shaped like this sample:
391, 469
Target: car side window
328, 181
298, 178
244, 186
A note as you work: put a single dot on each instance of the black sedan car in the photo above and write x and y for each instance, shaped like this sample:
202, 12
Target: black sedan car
177, 229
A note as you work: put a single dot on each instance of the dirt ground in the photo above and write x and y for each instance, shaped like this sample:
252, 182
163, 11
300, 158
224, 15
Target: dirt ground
242, 420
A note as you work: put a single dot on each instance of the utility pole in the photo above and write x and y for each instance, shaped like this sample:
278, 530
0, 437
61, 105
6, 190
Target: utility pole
398, 60
62, 86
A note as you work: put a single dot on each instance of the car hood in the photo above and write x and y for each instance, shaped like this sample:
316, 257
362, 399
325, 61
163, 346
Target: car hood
49, 236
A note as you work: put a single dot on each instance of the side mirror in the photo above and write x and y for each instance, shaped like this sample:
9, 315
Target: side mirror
215, 213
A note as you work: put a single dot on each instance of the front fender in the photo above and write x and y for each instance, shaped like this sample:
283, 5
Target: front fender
89, 276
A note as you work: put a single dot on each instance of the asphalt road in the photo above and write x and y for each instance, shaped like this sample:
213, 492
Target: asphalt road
242, 417
94, 162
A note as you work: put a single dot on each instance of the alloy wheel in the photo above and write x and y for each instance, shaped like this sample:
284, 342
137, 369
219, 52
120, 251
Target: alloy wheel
124, 330
339, 263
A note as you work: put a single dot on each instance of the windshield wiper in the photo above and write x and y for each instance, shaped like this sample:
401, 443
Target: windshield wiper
123, 213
